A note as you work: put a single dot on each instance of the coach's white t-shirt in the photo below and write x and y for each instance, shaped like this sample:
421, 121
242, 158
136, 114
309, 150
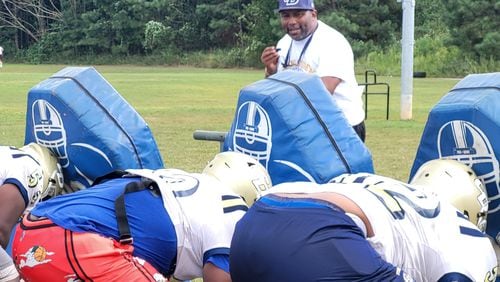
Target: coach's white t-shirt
327, 54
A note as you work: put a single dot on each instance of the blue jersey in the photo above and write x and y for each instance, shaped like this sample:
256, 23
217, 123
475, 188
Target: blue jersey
93, 210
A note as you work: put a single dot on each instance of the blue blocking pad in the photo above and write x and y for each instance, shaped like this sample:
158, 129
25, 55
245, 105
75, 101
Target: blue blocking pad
290, 123
89, 125
465, 126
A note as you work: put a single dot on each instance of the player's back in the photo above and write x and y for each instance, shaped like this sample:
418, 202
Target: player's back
426, 237
203, 211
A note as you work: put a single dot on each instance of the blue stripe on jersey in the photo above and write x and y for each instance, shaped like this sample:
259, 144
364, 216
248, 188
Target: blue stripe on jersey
230, 197
218, 257
358, 179
284, 202
221, 261
454, 277
471, 232
20, 187
188, 192
231, 203
235, 208
20, 155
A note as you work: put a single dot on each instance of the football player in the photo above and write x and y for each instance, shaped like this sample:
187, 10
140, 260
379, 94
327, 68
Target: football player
368, 227
141, 225
27, 175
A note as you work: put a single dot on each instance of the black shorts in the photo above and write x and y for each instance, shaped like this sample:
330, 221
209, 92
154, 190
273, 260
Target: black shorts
360, 130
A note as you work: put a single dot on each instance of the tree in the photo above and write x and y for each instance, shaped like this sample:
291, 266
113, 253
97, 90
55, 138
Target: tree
155, 36
474, 26
32, 19
219, 21
366, 24
183, 24
260, 21
108, 26
429, 18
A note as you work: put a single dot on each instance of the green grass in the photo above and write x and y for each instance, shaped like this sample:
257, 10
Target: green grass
177, 101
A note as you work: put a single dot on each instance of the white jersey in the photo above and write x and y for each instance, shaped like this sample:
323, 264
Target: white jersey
327, 54
425, 237
204, 212
21, 169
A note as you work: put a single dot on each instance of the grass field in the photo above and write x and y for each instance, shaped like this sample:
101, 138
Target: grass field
177, 101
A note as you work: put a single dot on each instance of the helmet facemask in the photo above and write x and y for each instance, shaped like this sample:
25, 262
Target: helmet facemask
52, 176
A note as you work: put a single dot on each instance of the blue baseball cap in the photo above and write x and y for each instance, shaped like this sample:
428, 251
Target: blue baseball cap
295, 5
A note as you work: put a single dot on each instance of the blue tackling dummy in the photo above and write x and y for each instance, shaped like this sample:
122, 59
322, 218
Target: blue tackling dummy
464, 125
290, 123
87, 123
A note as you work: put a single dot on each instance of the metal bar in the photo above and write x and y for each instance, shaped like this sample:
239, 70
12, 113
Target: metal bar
206, 135
387, 107
374, 82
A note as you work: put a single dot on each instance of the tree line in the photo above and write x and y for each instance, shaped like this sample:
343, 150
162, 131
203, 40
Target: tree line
57, 30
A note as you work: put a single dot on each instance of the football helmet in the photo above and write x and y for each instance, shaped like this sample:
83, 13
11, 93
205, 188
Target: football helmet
51, 170
49, 129
463, 141
243, 174
253, 132
458, 184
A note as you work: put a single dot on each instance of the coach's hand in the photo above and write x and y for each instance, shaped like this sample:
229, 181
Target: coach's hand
269, 58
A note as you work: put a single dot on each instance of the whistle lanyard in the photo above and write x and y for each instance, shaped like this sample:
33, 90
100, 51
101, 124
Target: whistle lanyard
287, 58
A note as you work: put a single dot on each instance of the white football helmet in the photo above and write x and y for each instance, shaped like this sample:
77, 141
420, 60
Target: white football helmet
51, 170
243, 174
457, 183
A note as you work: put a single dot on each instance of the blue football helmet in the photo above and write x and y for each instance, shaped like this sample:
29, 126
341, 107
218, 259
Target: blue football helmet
470, 146
253, 132
49, 129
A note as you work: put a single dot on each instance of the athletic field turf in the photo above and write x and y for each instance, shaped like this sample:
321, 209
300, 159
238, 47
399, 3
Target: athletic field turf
177, 101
